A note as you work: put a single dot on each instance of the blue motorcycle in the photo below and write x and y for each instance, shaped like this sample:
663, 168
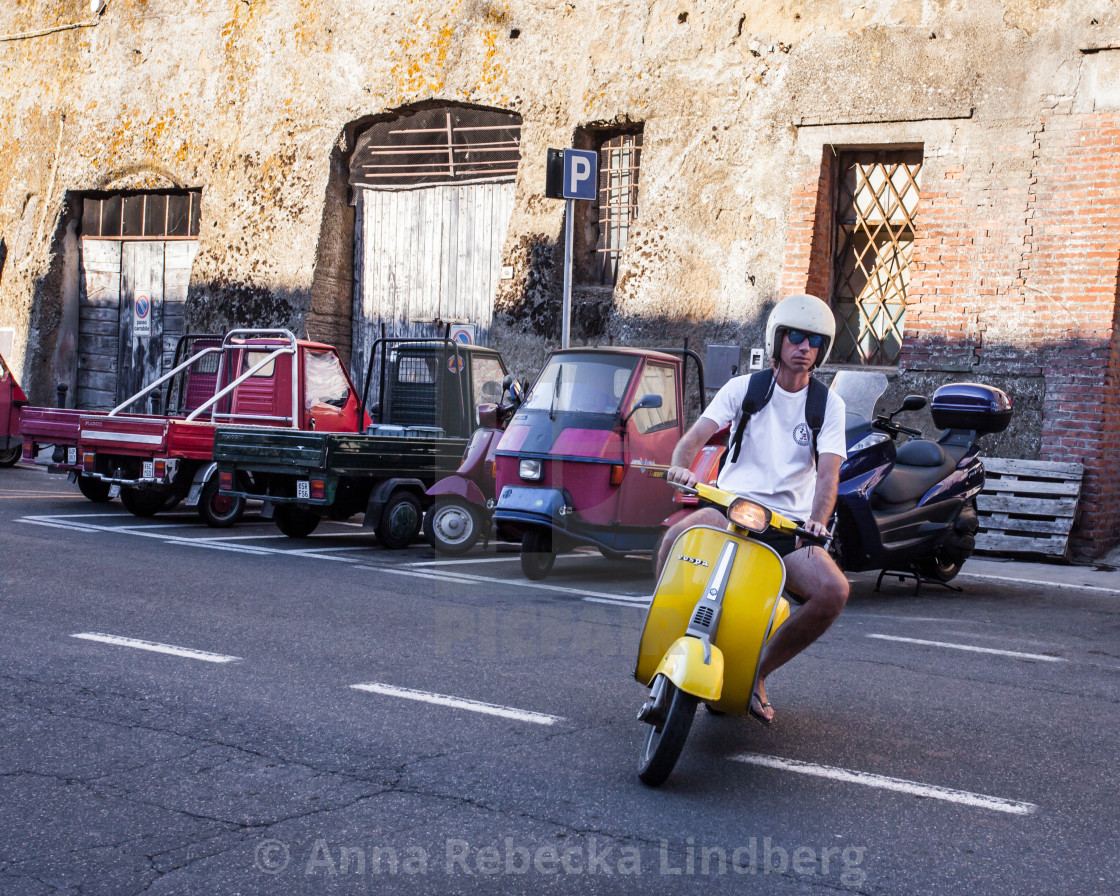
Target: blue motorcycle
911, 509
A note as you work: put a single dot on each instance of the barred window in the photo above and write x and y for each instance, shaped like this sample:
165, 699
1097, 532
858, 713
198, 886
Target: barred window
876, 200
122, 216
619, 162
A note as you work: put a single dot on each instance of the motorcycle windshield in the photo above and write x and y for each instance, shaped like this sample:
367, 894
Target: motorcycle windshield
860, 389
588, 384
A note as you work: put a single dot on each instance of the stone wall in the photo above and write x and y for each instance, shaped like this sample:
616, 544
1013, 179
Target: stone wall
742, 104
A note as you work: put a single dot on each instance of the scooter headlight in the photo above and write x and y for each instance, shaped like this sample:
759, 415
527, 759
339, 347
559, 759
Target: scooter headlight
753, 517
530, 469
867, 441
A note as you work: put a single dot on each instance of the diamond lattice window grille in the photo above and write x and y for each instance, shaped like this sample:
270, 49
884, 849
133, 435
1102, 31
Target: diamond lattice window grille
877, 198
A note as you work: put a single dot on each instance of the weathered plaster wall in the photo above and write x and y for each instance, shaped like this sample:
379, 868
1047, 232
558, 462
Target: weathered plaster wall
255, 102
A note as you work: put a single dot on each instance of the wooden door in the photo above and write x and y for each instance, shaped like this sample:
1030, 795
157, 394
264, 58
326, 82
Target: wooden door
131, 314
425, 257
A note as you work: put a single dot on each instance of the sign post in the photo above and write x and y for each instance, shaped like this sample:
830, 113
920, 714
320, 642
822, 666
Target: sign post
578, 170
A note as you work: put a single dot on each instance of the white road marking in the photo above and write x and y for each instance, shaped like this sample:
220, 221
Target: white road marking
156, 647
1011, 653
506, 712
407, 569
1036, 582
638, 603
899, 785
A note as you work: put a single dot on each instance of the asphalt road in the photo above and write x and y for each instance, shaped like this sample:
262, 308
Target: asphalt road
338, 718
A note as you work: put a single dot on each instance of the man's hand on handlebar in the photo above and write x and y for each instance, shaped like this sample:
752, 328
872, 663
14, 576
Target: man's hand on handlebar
818, 530
681, 476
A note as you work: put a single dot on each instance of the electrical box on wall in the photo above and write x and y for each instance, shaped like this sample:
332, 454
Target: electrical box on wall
721, 362
756, 359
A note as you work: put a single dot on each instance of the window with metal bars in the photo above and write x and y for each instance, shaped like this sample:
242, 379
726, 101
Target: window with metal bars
876, 201
124, 216
445, 145
617, 206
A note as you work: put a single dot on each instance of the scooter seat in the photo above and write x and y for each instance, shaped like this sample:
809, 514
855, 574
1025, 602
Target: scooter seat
921, 453
908, 482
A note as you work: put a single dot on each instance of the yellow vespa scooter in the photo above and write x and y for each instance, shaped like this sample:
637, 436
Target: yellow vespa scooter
718, 601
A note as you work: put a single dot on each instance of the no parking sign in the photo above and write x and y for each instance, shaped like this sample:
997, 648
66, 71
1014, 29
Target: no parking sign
142, 315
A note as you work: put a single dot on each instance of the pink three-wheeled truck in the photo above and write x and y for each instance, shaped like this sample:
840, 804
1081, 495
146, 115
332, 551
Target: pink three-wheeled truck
568, 467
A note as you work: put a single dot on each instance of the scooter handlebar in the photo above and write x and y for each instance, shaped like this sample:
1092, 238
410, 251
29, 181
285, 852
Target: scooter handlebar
725, 499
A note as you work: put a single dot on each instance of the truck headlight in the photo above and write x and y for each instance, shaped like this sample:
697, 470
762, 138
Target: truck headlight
529, 469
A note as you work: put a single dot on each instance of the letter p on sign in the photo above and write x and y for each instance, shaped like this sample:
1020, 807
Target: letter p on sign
580, 181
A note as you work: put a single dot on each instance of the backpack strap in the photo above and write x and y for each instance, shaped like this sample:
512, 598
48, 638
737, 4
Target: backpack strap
815, 403
759, 390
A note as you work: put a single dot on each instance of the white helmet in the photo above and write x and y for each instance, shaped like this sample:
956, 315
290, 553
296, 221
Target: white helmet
806, 313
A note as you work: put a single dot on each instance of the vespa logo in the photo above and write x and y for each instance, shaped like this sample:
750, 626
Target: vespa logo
693, 560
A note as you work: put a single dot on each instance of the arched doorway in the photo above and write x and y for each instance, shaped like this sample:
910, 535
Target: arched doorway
433, 193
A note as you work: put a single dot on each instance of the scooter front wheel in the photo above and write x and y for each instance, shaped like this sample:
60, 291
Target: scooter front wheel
663, 742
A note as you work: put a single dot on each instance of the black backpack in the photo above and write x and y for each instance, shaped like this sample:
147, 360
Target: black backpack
759, 390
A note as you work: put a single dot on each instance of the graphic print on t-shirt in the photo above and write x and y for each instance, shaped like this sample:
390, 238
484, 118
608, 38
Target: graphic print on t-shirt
801, 434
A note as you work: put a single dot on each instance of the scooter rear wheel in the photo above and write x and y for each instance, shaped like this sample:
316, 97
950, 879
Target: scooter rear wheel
663, 743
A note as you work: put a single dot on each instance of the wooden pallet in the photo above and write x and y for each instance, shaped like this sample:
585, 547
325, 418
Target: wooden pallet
1028, 506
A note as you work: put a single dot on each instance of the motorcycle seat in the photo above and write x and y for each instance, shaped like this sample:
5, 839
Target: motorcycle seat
921, 453
908, 482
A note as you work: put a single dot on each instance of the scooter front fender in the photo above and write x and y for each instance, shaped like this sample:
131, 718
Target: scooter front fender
683, 664
459, 487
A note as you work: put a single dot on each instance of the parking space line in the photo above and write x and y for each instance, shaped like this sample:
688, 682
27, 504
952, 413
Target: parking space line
639, 603
1015, 654
402, 569
899, 785
506, 712
156, 647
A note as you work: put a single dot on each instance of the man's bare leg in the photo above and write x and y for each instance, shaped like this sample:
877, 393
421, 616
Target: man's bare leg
812, 574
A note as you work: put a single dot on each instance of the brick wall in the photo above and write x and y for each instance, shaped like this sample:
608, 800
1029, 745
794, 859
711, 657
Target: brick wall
808, 259
1014, 279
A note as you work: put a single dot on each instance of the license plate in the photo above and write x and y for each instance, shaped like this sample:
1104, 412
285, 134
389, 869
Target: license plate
71, 456
303, 488
149, 469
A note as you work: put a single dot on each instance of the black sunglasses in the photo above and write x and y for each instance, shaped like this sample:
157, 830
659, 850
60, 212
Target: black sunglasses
796, 337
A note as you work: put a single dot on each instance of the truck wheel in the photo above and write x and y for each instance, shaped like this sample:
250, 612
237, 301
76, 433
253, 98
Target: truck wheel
296, 522
9, 457
537, 555
400, 520
216, 509
97, 490
455, 527
143, 502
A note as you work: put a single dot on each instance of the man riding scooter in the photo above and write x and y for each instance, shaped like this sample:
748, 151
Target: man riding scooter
786, 449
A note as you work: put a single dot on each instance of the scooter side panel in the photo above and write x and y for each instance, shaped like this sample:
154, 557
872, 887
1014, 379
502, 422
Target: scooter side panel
757, 578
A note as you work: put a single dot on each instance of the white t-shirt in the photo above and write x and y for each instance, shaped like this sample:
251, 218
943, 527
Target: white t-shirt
775, 465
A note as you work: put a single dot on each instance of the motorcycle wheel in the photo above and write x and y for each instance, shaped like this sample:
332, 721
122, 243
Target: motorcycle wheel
455, 527
295, 522
97, 490
400, 520
938, 568
143, 502
537, 555
9, 458
663, 743
218, 510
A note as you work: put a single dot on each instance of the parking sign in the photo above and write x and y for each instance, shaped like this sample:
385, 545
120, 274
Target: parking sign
581, 179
